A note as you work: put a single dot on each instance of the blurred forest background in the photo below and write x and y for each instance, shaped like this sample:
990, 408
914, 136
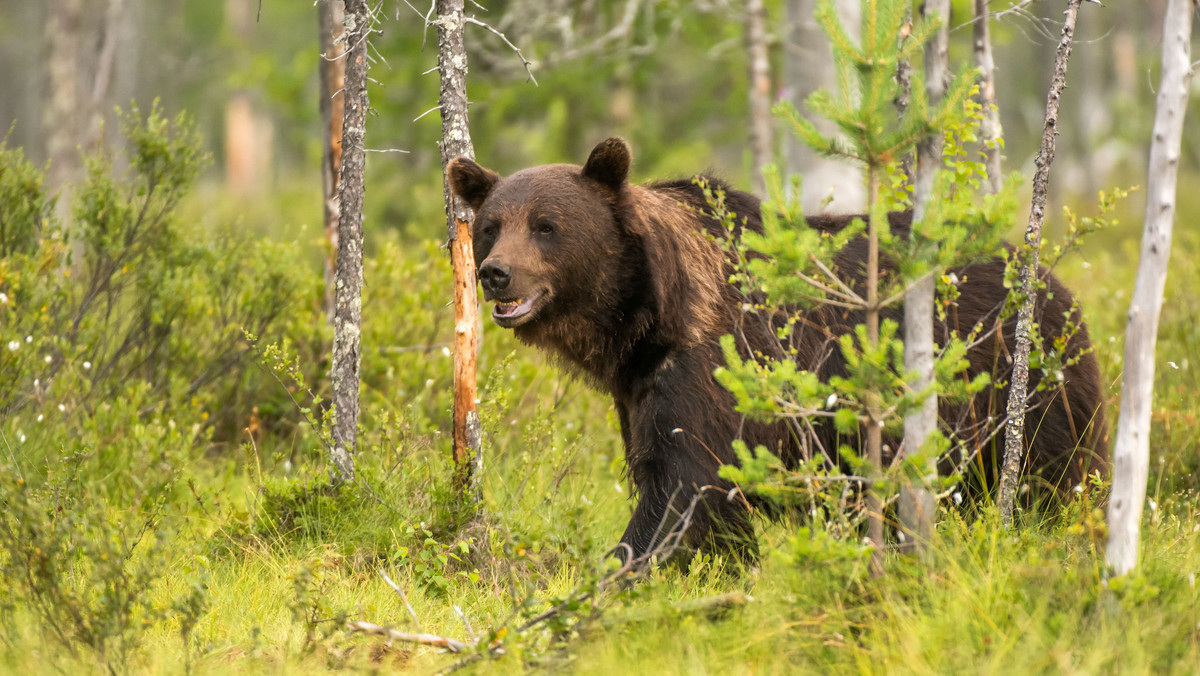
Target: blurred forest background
167, 504
669, 75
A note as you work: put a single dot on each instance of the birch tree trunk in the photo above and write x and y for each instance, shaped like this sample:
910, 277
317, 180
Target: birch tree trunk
331, 18
829, 185
1014, 433
917, 505
456, 141
760, 93
347, 313
1131, 455
989, 126
61, 122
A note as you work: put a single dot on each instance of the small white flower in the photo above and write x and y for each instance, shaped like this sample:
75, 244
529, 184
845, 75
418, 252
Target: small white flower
1087, 265
14, 345
617, 485
1173, 365
901, 536
1153, 504
36, 382
287, 466
22, 438
866, 541
954, 279
49, 359
87, 365
445, 352
62, 408
28, 339
477, 400
40, 417
831, 401
1078, 488
429, 383
3, 298
957, 497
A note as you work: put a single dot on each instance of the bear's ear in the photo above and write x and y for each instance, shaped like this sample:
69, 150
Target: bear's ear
470, 181
609, 163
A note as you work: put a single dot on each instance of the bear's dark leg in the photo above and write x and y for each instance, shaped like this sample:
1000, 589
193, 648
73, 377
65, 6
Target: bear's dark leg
678, 426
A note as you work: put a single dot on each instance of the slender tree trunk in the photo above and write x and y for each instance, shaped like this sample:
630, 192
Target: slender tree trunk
989, 127
248, 133
456, 141
331, 19
347, 314
875, 416
61, 122
917, 505
760, 92
1014, 433
829, 185
1131, 455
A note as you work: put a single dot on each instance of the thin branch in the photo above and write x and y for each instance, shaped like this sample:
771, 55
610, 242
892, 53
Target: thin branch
481, 24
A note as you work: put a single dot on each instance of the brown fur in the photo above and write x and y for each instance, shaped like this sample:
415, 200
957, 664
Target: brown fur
619, 282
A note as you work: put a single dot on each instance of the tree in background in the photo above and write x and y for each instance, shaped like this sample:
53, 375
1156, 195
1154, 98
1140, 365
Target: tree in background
331, 18
347, 313
1131, 455
829, 185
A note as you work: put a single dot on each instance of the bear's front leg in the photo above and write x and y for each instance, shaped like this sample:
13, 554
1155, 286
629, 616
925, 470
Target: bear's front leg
678, 432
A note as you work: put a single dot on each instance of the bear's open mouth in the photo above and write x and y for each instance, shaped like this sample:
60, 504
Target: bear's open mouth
508, 313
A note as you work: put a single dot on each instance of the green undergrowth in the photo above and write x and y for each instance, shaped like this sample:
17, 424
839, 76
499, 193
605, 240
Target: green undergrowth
167, 506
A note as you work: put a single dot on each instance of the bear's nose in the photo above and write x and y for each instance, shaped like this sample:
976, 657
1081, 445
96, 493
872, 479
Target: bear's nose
494, 276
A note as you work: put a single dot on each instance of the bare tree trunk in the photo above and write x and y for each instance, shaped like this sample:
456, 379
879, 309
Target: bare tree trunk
829, 185
1131, 455
347, 314
989, 127
760, 92
917, 505
114, 17
61, 122
331, 19
1014, 433
456, 141
248, 133
875, 414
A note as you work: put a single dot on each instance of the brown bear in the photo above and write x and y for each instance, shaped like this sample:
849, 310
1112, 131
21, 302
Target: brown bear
619, 281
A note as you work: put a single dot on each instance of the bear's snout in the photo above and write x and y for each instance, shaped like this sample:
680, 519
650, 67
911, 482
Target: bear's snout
494, 277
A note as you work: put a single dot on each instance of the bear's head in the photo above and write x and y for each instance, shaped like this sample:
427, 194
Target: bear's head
582, 262
546, 238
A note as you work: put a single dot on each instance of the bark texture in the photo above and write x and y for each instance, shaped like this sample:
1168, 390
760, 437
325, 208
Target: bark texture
1014, 433
875, 411
1131, 454
760, 92
917, 505
331, 18
456, 141
989, 126
347, 313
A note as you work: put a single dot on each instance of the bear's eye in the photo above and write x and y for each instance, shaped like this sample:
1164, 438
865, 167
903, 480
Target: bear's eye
545, 228
489, 229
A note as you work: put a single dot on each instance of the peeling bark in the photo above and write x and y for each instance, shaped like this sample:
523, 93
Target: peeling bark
456, 141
